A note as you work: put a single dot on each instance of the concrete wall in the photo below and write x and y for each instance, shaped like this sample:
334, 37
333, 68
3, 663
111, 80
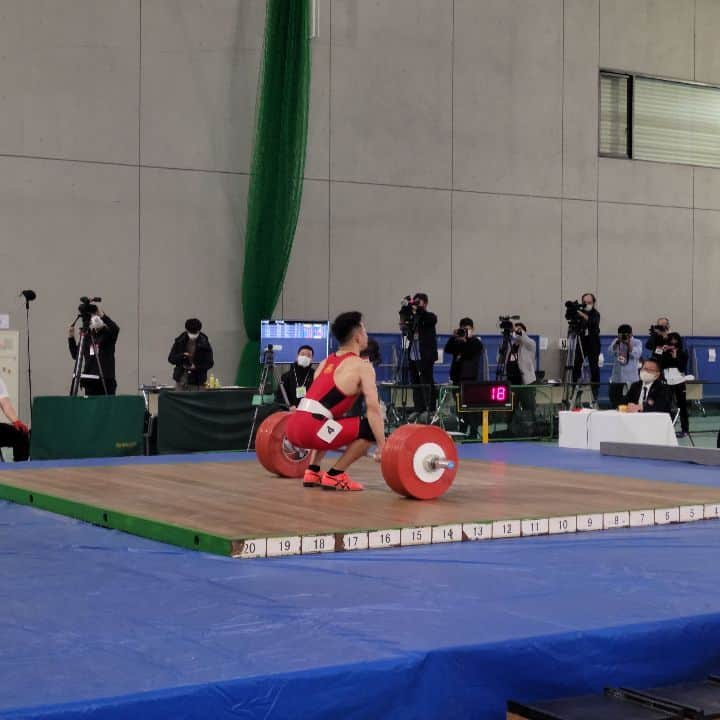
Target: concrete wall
461, 159
452, 149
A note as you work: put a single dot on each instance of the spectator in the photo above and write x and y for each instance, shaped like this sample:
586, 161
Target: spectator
15, 434
295, 383
192, 356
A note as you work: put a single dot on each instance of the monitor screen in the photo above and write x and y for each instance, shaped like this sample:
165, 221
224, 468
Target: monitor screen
287, 336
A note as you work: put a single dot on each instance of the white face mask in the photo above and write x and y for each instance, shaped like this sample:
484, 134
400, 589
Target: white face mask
304, 361
588, 306
96, 323
648, 377
193, 336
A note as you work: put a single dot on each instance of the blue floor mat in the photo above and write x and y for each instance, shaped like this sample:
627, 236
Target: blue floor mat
98, 624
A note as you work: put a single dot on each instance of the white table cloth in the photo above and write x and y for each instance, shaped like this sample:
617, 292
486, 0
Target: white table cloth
588, 428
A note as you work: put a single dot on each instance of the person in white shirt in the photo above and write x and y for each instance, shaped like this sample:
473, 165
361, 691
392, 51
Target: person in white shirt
16, 433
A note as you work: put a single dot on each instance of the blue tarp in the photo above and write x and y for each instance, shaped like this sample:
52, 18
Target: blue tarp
97, 624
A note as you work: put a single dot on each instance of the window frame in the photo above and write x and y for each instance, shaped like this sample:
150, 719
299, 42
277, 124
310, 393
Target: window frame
631, 77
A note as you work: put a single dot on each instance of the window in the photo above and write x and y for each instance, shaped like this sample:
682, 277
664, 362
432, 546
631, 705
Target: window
648, 118
614, 115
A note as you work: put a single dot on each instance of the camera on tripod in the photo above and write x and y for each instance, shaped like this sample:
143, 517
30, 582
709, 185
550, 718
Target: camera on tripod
406, 310
506, 324
572, 308
87, 309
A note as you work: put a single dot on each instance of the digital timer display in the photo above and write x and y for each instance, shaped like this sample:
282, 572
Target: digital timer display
485, 396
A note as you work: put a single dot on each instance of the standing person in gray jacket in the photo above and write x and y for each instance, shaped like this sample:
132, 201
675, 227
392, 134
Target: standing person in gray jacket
521, 366
627, 351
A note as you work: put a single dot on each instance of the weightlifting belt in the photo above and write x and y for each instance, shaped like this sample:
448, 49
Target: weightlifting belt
314, 408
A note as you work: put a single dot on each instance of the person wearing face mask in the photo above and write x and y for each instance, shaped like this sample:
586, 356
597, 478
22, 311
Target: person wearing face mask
192, 356
674, 363
295, 383
100, 351
658, 336
649, 394
589, 342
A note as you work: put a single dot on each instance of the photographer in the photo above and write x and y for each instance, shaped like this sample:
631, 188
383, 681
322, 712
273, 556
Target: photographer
466, 350
627, 351
588, 334
192, 356
674, 363
98, 353
521, 366
658, 336
297, 380
420, 329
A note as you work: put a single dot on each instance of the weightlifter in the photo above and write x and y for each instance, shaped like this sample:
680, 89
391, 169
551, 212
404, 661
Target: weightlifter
318, 423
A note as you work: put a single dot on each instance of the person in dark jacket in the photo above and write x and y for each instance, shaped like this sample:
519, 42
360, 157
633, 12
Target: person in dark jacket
297, 380
650, 393
674, 362
99, 351
466, 350
423, 353
192, 357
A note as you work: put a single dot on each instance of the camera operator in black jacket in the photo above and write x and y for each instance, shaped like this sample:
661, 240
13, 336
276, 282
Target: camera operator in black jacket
103, 335
192, 356
420, 326
466, 350
588, 342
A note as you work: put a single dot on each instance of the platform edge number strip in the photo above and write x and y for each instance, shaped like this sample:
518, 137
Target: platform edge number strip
468, 532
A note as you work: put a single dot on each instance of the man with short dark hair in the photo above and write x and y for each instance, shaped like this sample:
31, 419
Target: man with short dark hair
98, 353
320, 424
649, 394
192, 356
423, 353
295, 383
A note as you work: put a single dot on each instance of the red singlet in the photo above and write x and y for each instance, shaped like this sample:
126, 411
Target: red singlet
303, 427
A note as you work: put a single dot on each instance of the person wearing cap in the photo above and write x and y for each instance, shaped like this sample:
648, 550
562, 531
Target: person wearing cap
626, 351
16, 433
192, 356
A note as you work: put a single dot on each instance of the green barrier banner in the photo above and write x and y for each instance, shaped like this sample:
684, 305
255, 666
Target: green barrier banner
206, 421
84, 427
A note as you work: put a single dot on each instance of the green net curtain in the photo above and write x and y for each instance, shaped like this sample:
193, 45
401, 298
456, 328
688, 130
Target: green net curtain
278, 165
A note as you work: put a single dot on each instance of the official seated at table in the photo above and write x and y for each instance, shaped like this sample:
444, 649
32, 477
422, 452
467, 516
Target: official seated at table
14, 434
650, 393
297, 380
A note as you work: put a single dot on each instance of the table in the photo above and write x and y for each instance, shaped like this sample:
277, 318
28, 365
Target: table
588, 428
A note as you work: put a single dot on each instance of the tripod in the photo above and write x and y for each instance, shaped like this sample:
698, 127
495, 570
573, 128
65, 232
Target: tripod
268, 370
572, 391
86, 339
503, 356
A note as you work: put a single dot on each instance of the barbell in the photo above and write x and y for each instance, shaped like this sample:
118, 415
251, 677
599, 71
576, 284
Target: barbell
418, 461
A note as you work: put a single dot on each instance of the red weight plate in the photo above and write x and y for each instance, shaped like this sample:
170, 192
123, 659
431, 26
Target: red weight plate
403, 469
394, 447
274, 451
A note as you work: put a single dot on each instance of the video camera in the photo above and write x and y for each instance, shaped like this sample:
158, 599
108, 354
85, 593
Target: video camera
657, 329
87, 308
572, 308
506, 324
406, 309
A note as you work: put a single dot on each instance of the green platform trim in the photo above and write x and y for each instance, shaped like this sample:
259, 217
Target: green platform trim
133, 524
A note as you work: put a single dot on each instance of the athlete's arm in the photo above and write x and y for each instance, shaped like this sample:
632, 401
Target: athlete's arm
319, 369
372, 403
